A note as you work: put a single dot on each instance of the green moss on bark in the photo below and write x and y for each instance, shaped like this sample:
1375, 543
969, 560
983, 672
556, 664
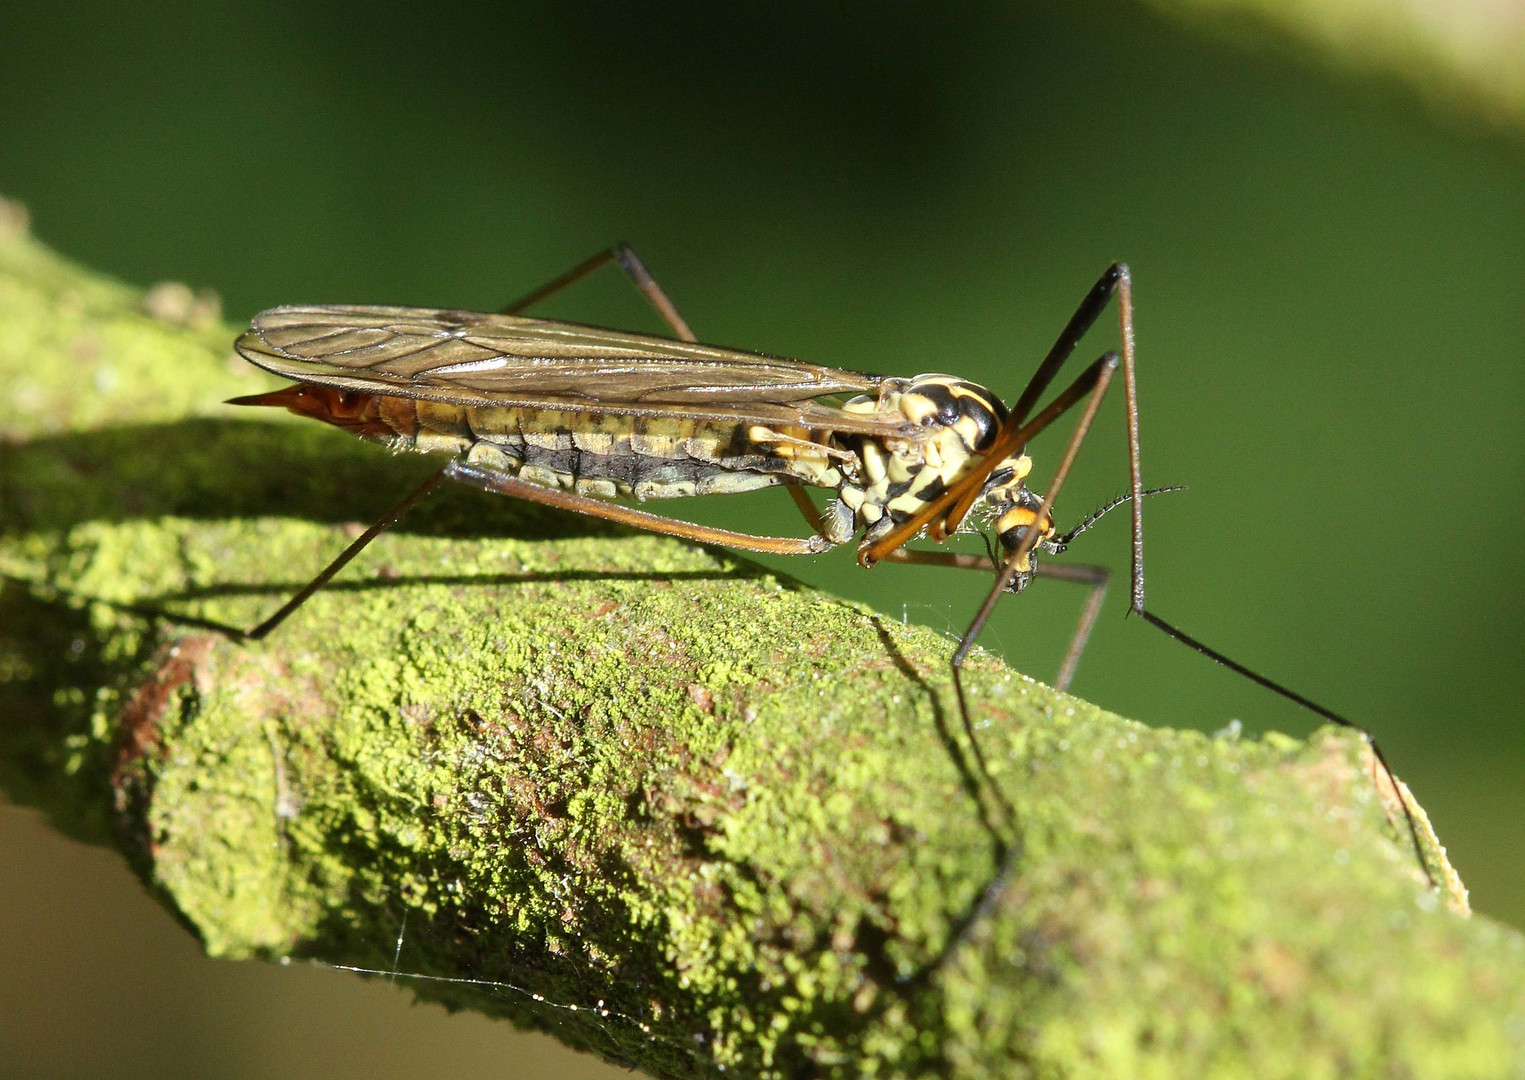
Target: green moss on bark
732, 820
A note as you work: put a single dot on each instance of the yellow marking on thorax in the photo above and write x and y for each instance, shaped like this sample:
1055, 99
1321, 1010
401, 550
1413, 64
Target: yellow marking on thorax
921, 468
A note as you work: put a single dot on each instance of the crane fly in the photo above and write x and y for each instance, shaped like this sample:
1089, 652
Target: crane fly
574, 416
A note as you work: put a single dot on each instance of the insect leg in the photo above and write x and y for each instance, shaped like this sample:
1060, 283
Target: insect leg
1018, 429
382, 524
504, 484
942, 515
808, 508
1136, 605
1083, 574
1312, 706
631, 263
1116, 279
1107, 366
1080, 573
1011, 858
634, 269
1094, 380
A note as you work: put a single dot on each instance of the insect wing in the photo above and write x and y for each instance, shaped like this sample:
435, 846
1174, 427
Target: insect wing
473, 358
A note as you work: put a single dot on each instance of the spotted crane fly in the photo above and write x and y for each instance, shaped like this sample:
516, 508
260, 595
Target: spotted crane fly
574, 416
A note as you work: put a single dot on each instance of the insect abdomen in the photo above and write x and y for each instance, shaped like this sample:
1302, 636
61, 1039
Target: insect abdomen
602, 455
599, 454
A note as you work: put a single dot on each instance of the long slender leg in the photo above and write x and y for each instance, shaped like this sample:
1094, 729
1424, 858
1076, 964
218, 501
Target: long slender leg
1080, 573
812, 515
1016, 431
1019, 554
381, 524
1083, 574
1135, 477
628, 261
504, 484
1095, 302
953, 560
1093, 382
1104, 369
1091, 386
1124, 286
1083, 318
942, 520
1119, 280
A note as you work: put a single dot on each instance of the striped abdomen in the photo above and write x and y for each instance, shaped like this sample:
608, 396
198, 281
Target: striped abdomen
602, 455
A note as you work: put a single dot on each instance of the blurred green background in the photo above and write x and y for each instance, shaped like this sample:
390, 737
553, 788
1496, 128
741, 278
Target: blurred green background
1330, 318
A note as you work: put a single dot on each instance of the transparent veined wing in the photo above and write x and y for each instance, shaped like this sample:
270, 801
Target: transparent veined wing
476, 358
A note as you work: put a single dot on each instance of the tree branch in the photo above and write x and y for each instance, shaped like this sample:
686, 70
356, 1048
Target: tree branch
671, 807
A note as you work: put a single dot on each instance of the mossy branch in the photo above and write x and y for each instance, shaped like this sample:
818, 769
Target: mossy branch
672, 808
